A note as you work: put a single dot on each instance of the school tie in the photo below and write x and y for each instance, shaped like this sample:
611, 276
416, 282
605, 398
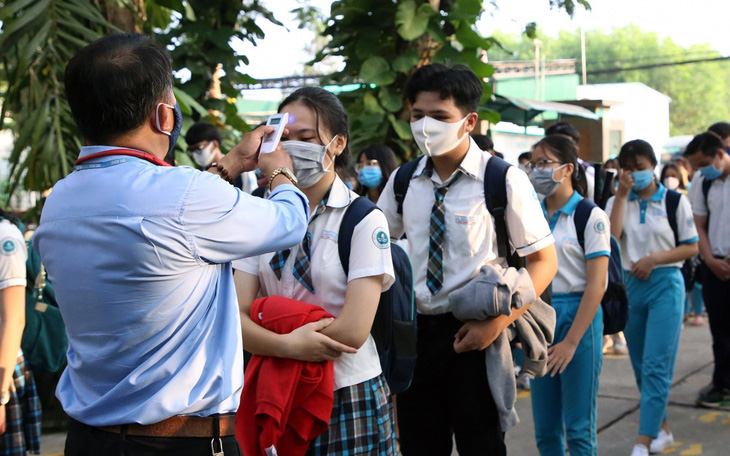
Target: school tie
437, 231
278, 261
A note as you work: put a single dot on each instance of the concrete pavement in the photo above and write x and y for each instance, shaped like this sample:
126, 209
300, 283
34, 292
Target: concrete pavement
697, 431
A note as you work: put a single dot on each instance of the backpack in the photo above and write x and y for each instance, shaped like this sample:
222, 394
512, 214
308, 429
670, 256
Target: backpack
44, 341
602, 185
615, 301
690, 266
394, 328
495, 196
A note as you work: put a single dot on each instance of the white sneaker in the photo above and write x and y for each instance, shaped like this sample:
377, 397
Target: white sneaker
640, 450
661, 442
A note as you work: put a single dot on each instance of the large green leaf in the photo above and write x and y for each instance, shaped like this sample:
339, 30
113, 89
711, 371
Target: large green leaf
401, 127
371, 104
390, 99
406, 62
411, 21
376, 70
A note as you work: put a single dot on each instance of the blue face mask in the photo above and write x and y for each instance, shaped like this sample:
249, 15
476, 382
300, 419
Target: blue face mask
642, 179
370, 177
709, 172
176, 129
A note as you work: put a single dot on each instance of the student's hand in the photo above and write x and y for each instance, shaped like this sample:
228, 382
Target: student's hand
559, 356
642, 268
2, 419
306, 343
625, 184
720, 267
477, 335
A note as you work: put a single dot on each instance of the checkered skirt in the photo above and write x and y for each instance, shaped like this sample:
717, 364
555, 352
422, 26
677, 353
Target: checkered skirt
362, 422
22, 415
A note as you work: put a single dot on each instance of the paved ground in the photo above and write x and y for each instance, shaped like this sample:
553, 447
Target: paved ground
697, 431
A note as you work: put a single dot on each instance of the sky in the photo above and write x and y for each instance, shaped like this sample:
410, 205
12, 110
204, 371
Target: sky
281, 53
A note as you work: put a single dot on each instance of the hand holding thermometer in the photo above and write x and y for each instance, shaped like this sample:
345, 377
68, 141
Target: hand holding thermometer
278, 121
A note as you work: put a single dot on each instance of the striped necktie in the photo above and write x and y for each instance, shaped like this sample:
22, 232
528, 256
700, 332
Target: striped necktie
437, 232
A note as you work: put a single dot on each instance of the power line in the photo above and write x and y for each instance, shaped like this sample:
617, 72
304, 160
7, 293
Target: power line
656, 65
652, 57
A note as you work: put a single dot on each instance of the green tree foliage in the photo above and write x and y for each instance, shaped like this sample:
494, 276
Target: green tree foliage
699, 91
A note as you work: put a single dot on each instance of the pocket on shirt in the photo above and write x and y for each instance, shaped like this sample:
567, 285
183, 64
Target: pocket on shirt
468, 233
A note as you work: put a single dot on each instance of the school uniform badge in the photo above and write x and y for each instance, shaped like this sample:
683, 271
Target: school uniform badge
600, 227
380, 238
8, 246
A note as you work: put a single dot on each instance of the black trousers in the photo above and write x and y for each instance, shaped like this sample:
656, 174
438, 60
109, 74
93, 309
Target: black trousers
449, 398
716, 294
83, 440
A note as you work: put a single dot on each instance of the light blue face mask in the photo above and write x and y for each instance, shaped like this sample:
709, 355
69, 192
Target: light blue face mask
642, 179
370, 176
709, 172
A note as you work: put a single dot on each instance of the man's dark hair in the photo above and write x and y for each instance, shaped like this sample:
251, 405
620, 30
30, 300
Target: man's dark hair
706, 143
202, 131
565, 129
459, 83
525, 156
484, 142
114, 83
722, 129
634, 149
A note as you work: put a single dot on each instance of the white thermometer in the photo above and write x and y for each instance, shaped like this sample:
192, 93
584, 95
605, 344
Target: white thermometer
270, 140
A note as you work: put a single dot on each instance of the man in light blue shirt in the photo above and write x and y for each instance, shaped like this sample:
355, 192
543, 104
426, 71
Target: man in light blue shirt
139, 254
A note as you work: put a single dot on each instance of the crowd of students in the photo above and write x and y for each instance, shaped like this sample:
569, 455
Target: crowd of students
301, 306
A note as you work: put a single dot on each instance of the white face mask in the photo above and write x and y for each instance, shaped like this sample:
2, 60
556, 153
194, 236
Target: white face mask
204, 157
308, 161
671, 182
435, 137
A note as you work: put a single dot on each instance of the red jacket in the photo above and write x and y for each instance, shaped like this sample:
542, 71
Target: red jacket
285, 403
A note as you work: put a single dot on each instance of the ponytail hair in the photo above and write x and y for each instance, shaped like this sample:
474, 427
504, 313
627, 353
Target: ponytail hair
567, 153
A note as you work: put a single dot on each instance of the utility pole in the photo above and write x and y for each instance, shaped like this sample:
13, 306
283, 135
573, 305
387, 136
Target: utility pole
538, 43
583, 53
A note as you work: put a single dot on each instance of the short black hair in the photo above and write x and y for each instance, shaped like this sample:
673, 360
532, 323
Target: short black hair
565, 129
706, 143
329, 110
459, 83
484, 142
525, 156
202, 131
634, 149
114, 83
722, 129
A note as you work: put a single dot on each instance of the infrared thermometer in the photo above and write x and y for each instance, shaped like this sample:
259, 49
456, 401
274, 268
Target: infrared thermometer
278, 121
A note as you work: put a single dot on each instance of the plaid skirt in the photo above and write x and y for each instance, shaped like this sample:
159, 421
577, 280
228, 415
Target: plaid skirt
362, 422
22, 415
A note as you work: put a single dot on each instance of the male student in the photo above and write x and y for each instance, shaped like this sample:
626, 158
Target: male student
451, 235
706, 153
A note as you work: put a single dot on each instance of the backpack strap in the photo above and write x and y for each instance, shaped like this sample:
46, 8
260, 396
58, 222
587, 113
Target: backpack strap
672, 203
402, 181
580, 219
259, 191
495, 195
706, 184
354, 214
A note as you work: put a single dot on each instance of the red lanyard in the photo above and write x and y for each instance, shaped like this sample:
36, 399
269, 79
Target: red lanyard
128, 152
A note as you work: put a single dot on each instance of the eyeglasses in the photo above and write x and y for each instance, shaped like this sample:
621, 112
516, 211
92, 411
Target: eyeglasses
540, 164
360, 166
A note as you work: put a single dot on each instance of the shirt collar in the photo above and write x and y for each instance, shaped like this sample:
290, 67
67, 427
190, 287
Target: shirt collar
88, 150
339, 194
568, 208
470, 164
657, 196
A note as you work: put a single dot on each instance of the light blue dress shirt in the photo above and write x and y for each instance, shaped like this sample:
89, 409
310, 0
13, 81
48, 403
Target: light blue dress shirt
139, 256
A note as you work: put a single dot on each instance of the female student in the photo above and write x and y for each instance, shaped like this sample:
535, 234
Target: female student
362, 418
564, 400
652, 259
374, 165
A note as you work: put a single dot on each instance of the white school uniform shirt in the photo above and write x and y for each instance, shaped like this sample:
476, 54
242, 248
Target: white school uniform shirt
719, 210
13, 255
571, 275
369, 256
470, 241
646, 226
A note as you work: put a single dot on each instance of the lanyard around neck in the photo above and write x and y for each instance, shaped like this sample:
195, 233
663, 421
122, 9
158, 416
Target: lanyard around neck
128, 152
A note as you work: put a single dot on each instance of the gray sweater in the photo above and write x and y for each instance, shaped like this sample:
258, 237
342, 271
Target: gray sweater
496, 291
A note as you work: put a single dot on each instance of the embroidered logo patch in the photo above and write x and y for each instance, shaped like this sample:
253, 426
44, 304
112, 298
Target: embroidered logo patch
466, 220
380, 238
690, 222
600, 227
8, 246
329, 236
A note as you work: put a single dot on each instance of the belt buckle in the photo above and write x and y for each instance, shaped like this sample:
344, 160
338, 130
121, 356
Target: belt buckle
212, 447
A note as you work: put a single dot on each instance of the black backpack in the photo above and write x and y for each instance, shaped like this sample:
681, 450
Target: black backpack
615, 301
690, 265
495, 196
394, 328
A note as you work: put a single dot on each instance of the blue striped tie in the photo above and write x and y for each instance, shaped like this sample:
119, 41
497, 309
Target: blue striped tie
437, 232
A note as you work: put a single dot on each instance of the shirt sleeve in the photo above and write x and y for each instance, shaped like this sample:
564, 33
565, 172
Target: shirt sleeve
696, 197
370, 251
685, 222
597, 235
223, 223
249, 265
12, 261
528, 229
389, 206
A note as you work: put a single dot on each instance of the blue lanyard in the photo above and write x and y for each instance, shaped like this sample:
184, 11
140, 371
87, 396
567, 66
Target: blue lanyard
106, 164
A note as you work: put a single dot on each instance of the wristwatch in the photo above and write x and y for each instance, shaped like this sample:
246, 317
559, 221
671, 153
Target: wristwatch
285, 172
4, 397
